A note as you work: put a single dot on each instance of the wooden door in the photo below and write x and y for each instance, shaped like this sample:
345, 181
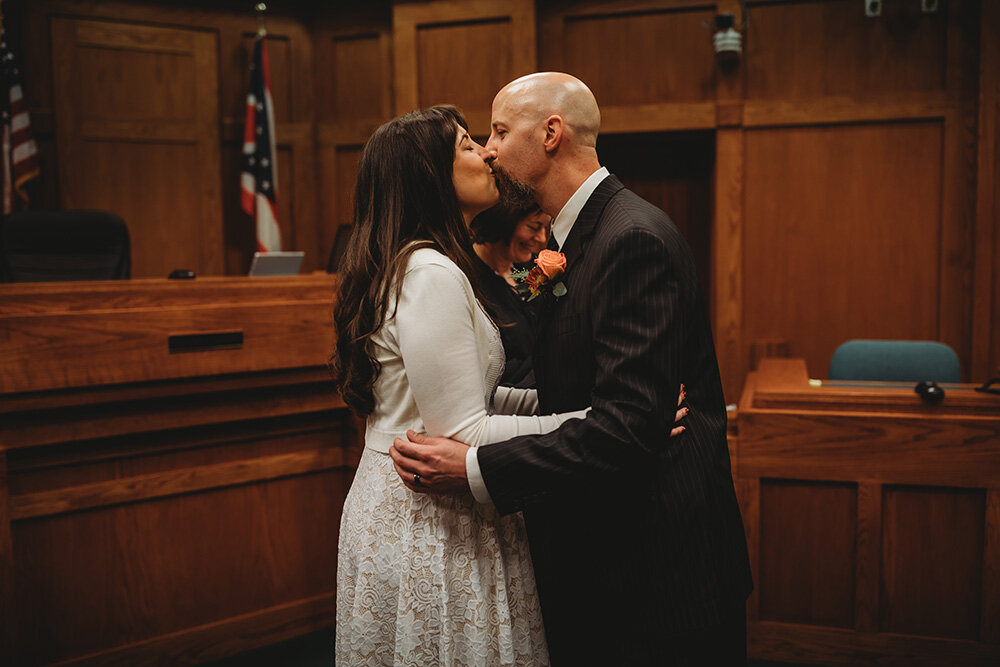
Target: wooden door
137, 129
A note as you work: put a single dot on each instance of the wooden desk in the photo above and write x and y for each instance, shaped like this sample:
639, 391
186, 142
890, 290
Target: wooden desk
873, 521
167, 496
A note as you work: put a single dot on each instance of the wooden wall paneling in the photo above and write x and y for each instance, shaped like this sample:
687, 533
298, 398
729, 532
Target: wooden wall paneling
955, 259
868, 556
727, 230
493, 40
807, 576
842, 243
289, 48
679, 39
959, 171
830, 49
990, 615
550, 17
259, 526
354, 86
727, 259
932, 551
137, 114
986, 272
634, 96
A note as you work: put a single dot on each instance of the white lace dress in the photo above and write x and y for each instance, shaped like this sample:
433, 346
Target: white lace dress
425, 580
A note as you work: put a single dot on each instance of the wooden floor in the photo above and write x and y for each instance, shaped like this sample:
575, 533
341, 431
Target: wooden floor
312, 650
317, 649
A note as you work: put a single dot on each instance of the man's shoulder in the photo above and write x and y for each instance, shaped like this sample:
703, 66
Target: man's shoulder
627, 211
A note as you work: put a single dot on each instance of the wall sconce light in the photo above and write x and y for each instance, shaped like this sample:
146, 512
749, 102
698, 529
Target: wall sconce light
727, 41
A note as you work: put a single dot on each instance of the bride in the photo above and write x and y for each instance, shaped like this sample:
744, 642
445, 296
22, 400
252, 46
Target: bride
425, 579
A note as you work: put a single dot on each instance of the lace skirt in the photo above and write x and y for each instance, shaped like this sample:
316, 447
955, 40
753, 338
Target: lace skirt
423, 580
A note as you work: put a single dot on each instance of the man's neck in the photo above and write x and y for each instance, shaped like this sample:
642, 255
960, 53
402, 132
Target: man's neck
562, 182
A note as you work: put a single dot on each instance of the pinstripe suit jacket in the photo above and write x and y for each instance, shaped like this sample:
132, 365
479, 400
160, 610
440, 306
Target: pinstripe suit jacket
633, 533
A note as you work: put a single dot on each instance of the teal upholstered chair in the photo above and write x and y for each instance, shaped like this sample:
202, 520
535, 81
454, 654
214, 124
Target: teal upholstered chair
895, 361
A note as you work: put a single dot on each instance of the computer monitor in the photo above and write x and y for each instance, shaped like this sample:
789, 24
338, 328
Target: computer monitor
276, 263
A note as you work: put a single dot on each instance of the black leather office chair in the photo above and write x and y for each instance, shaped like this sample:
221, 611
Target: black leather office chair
37, 246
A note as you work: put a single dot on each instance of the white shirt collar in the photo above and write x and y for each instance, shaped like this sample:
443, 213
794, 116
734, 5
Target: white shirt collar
563, 223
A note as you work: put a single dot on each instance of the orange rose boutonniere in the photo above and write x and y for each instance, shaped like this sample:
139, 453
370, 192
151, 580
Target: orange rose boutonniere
543, 276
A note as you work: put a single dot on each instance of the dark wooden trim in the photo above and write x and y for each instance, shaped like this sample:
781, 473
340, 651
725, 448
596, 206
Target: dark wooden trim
990, 613
985, 359
172, 483
769, 640
748, 492
219, 640
8, 616
869, 547
65, 398
844, 110
727, 259
38, 428
658, 117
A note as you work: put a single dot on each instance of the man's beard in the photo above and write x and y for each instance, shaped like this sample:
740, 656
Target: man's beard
514, 193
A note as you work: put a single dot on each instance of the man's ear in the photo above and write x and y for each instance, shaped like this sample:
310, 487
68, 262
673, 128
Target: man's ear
553, 133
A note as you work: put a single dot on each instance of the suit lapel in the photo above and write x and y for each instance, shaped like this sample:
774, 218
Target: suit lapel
583, 228
573, 248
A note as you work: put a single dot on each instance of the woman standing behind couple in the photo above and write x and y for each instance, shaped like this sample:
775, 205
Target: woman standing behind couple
507, 234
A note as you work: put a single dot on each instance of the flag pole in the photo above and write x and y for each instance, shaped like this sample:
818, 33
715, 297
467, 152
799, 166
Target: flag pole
260, 8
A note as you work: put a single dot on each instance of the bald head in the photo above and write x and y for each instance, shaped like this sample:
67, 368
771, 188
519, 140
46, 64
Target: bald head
537, 96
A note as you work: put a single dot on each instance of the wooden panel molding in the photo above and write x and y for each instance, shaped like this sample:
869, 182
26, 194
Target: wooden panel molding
138, 105
493, 40
796, 50
99, 342
932, 559
176, 482
854, 244
803, 576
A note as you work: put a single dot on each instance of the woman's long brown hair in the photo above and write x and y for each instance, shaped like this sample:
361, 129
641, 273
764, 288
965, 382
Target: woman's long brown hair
404, 200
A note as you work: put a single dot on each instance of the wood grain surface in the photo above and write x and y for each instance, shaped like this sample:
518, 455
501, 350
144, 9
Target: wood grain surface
873, 533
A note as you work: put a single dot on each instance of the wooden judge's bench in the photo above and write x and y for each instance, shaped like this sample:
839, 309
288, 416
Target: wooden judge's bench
173, 464
873, 520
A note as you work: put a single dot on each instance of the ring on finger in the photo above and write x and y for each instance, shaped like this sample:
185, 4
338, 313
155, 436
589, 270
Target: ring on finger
416, 479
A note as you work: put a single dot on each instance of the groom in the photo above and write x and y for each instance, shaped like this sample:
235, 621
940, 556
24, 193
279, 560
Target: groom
636, 537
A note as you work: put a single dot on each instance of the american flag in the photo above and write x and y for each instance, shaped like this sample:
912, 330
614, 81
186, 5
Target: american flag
20, 155
258, 180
